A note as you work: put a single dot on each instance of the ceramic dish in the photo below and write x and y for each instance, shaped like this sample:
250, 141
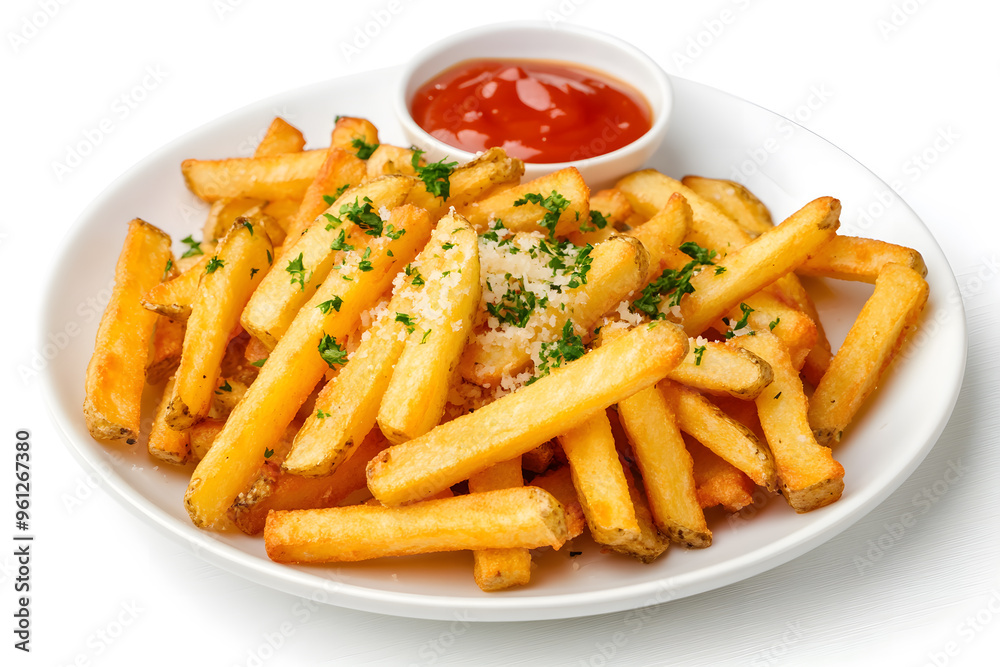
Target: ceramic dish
711, 134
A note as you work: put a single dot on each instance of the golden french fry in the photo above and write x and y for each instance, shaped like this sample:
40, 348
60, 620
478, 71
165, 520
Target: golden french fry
649, 419
357, 136
173, 298
808, 475
528, 216
164, 350
717, 368
490, 172
275, 489
618, 268
663, 232
116, 373
415, 398
526, 517
718, 482
284, 176
758, 263
886, 319
340, 169
165, 443
389, 159
223, 213
312, 256
559, 483
279, 138
651, 543
497, 569
735, 201
649, 191
537, 460
731, 440
228, 393
229, 279
202, 435
606, 206
295, 366
853, 258
526, 418
769, 313
599, 481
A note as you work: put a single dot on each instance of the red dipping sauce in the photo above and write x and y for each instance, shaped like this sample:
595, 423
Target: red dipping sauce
536, 110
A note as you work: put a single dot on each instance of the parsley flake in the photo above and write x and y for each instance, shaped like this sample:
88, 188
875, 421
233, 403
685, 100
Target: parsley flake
340, 243
427, 334
214, 264
416, 279
194, 247
407, 321
365, 264
554, 206
364, 216
320, 414
447, 246
553, 354
742, 322
774, 324
259, 363
253, 272
331, 352
335, 303
298, 272
246, 223
225, 386
698, 352
435, 175
268, 453
363, 149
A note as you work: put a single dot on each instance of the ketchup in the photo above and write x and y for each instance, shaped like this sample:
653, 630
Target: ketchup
536, 110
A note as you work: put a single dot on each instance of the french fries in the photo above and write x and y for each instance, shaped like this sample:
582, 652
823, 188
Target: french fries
888, 316
520, 518
396, 352
116, 373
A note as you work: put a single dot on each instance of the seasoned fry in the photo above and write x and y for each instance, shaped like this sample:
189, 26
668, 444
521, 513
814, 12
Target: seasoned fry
116, 373
389, 159
809, 476
530, 416
769, 313
608, 206
415, 398
202, 435
649, 419
759, 263
340, 169
498, 569
164, 350
526, 518
618, 268
651, 543
174, 297
886, 319
230, 277
852, 258
599, 481
491, 172
354, 135
280, 138
275, 489
311, 257
223, 214
528, 216
165, 443
663, 232
731, 440
538, 459
294, 367
718, 368
284, 176
735, 201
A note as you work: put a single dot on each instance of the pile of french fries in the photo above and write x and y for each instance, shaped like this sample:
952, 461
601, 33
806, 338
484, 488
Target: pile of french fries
370, 356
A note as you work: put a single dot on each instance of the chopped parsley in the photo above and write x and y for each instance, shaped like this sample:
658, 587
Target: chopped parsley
742, 322
330, 199
407, 321
515, 306
447, 246
335, 303
672, 283
427, 334
553, 354
363, 149
777, 395
393, 233
166, 269
214, 264
597, 221
332, 222
773, 324
364, 216
435, 175
554, 206
365, 264
270, 259
719, 270
246, 223
698, 352
194, 247
253, 272
320, 414
332, 353
225, 386
259, 363
340, 243
416, 279
268, 452
298, 272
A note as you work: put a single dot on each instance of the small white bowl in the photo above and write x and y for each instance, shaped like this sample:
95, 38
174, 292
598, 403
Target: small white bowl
537, 40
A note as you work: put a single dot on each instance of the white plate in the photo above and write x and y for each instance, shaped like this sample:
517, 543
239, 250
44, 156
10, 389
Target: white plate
711, 134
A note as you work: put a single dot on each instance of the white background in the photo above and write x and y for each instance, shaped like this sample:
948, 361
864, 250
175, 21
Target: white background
893, 76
